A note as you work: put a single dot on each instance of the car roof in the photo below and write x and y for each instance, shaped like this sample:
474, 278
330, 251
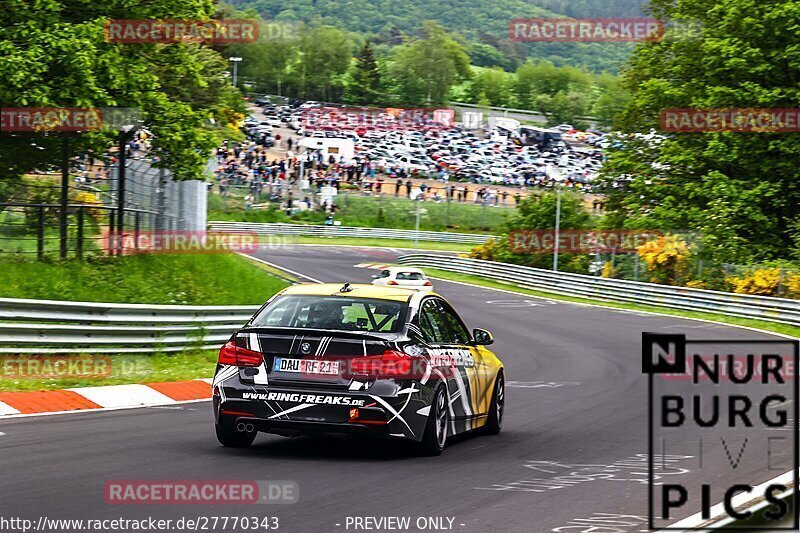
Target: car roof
404, 269
358, 291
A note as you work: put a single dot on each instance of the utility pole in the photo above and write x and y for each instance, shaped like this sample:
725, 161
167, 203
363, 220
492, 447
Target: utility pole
555, 175
63, 215
558, 227
235, 61
124, 138
419, 214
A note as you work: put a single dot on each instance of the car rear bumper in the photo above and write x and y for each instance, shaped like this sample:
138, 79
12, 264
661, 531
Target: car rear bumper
305, 427
290, 412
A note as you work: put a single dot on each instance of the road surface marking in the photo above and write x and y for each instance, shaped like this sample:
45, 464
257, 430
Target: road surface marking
309, 278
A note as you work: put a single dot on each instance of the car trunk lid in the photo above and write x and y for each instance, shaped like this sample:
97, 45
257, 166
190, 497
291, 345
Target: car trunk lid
314, 359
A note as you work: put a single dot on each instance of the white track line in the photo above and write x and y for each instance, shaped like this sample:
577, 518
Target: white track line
314, 280
7, 410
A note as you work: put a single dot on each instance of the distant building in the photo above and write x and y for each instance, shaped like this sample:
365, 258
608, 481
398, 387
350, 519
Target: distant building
342, 149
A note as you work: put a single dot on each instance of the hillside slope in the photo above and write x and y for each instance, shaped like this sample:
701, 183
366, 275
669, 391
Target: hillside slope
481, 22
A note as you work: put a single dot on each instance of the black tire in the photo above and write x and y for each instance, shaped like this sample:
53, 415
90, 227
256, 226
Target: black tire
435, 437
494, 422
227, 435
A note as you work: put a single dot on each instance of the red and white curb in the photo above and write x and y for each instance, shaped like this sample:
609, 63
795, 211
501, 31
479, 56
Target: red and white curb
34, 403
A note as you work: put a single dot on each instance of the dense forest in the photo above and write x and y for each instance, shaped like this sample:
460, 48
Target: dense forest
482, 25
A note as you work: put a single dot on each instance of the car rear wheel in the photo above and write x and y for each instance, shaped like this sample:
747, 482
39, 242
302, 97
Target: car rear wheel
494, 423
435, 437
229, 436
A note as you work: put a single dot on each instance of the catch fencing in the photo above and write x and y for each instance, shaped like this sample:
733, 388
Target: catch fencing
781, 310
153, 202
172, 205
345, 231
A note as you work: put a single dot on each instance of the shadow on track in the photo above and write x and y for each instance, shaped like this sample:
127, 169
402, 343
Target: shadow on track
336, 448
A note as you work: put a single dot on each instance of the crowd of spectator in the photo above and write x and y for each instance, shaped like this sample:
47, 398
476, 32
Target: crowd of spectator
254, 169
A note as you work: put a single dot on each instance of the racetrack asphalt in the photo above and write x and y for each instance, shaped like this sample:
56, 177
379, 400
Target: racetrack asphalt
576, 396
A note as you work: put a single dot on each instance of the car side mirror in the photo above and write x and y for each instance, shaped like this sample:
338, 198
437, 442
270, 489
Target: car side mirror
481, 337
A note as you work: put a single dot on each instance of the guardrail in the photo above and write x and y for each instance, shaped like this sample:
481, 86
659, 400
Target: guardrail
345, 231
514, 110
739, 305
49, 326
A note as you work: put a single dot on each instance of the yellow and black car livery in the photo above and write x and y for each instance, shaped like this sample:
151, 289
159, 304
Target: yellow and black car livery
378, 361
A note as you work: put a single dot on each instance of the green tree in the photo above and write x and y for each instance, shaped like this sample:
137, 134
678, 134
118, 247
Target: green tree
324, 54
611, 99
267, 61
365, 86
54, 54
524, 87
494, 83
565, 106
738, 190
483, 25
543, 77
538, 212
426, 69
486, 55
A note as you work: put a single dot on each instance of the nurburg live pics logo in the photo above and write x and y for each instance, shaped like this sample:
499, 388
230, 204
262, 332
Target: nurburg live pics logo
732, 405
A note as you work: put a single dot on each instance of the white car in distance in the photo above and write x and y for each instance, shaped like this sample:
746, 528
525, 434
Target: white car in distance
403, 277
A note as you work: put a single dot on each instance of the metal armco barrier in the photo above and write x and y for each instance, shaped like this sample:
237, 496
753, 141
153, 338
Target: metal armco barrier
345, 231
739, 305
48, 326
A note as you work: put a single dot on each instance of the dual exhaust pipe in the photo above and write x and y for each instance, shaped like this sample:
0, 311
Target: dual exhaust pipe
248, 428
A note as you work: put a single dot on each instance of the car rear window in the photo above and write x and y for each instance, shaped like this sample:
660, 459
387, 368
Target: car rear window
334, 313
410, 276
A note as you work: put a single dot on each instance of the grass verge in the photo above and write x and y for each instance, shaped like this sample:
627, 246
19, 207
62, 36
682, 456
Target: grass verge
277, 272
18, 371
156, 279
185, 279
385, 211
776, 327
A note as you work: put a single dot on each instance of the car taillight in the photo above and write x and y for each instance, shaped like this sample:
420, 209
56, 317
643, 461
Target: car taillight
391, 363
392, 283
230, 354
227, 354
428, 284
245, 357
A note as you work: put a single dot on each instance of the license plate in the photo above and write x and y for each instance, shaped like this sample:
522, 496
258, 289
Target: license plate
307, 366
